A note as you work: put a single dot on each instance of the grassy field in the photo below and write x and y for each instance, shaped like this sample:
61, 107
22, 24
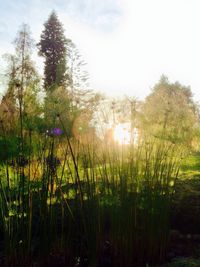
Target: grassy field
190, 167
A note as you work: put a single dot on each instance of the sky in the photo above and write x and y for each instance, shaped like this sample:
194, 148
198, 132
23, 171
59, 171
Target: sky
127, 44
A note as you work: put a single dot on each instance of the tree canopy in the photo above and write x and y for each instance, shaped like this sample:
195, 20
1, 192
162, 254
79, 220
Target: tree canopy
169, 111
23, 81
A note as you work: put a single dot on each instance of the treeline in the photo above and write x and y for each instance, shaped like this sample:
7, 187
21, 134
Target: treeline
168, 113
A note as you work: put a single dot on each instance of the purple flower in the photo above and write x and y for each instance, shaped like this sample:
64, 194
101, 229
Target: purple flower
57, 131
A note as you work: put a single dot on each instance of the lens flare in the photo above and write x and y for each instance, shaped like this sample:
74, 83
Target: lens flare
123, 135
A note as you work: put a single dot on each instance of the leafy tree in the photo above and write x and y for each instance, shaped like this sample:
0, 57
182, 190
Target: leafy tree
23, 83
169, 112
77, 75
8, 110
57, 106
83, 100
20, 107
29, 79
52, 47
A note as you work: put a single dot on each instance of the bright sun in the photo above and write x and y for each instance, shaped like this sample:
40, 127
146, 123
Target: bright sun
122, 134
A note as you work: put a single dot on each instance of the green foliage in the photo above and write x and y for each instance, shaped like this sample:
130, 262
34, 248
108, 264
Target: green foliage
32, 106
52, 47
57, 105
9, 148
22, 95
190, 167
76, 72
170, 113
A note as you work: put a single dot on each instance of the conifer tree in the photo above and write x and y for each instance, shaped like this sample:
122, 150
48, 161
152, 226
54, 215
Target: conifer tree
52, 47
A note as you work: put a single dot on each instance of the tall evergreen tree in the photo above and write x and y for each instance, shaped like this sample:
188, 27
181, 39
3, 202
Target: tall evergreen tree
52, 47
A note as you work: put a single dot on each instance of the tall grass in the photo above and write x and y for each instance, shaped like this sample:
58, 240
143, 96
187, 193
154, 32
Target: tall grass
94, 204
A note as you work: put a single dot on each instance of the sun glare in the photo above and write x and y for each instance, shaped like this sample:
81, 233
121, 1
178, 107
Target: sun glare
122, 134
